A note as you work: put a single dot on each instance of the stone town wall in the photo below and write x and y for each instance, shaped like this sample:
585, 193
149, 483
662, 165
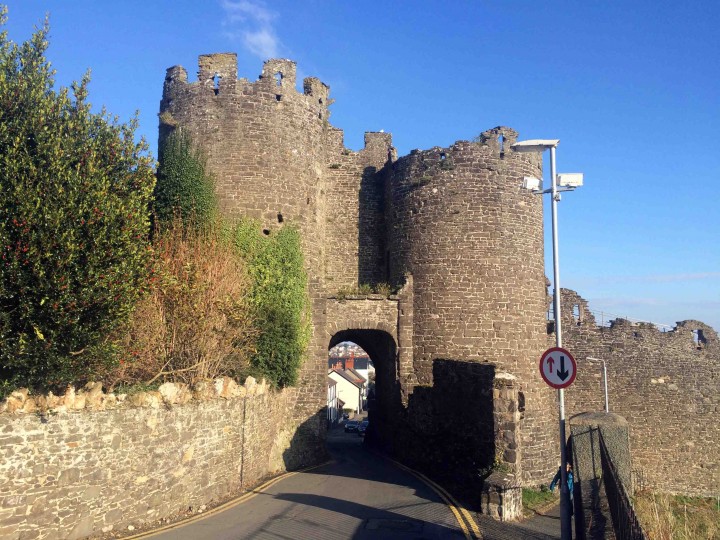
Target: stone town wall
130, 461
461, 223
664, 383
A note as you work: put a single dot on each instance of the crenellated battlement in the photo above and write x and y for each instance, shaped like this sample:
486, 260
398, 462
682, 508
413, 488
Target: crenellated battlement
217, 78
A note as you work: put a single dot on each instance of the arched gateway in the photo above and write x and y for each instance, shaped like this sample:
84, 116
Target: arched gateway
450, 228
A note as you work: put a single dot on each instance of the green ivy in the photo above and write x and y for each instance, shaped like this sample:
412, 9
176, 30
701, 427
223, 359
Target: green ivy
279, 295
73, 221
184, 185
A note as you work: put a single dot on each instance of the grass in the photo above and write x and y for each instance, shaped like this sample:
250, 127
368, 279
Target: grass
678, 517
537, 501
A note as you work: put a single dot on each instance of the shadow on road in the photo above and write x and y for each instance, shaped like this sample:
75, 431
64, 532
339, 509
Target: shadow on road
377, 523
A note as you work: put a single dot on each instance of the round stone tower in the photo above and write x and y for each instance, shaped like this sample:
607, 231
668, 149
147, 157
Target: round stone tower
264, 140
460, 222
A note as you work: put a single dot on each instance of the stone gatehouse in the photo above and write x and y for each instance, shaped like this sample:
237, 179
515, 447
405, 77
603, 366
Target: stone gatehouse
450, 229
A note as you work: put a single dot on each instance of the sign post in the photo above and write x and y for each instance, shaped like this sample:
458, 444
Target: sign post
558, 370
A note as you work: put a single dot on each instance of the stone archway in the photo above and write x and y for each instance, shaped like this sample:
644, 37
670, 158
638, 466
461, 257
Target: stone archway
372, 323
384, 403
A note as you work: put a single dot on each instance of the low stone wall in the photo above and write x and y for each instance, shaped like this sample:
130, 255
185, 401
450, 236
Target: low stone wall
87, 462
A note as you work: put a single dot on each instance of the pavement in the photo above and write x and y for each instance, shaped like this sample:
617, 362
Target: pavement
545, 526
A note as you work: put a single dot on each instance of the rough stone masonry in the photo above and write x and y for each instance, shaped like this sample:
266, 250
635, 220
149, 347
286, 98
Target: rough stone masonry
451, 227
454, 232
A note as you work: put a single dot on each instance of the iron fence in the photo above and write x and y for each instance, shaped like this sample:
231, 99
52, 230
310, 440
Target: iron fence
625, 522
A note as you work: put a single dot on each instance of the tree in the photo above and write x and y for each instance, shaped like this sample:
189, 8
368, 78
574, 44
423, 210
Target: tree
74, 223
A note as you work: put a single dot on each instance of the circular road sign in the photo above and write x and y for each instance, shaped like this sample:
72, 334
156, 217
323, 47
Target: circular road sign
558, 367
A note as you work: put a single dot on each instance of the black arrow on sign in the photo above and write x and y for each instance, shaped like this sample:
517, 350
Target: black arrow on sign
562, 373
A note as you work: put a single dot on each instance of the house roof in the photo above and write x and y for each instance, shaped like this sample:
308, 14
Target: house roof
331, 381
357, 375
347, 376
359, 362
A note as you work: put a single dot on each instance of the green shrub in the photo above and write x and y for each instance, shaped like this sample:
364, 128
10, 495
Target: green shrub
184, 186
73, 222
278, 293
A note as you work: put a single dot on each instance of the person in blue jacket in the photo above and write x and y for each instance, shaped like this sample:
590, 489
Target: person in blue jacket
570, 481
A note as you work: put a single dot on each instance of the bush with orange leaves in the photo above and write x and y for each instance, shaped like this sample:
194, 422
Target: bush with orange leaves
195, 323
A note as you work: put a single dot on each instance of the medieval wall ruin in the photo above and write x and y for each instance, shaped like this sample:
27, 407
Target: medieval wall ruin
665, 384
453, 222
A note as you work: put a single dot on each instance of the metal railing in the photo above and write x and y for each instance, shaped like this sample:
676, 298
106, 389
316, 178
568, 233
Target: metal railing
625, 521
603, 319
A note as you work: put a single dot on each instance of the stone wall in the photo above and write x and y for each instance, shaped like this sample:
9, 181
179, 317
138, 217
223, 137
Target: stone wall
664, 383
93, 463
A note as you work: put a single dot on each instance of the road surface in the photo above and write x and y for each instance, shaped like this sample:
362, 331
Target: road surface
358, 495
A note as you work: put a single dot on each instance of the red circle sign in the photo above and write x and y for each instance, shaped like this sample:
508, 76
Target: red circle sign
558, 368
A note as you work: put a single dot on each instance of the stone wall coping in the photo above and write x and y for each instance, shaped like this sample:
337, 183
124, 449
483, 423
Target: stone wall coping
349, 297
502, 481
92, 397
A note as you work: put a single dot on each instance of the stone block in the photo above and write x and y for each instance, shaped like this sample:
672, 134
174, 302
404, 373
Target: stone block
501, 497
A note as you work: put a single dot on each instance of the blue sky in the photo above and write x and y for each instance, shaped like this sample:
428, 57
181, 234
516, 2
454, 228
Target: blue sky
630, 88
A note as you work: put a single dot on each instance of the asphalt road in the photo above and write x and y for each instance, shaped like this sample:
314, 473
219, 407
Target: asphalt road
358, 495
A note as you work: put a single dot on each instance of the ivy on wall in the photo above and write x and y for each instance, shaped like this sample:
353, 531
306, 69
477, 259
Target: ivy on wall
279, 295
184, 188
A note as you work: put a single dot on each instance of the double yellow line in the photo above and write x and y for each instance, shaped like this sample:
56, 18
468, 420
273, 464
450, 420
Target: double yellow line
464, 518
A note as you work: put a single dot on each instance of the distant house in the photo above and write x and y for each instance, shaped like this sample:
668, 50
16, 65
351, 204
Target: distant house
349, 388
362, 364
334, 404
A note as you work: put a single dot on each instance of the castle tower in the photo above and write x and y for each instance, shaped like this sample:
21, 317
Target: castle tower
276, 158
472, 238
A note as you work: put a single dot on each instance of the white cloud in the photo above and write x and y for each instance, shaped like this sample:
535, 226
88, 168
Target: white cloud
252, 23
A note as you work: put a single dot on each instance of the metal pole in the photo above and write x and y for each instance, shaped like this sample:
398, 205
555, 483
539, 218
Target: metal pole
565, 526
605, 381
607, 402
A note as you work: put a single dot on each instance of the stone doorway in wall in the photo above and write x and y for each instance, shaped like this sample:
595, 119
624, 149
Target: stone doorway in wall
362, 384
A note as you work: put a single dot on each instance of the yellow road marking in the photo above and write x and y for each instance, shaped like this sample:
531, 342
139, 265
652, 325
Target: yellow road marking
225, 506
464, 518
467, 523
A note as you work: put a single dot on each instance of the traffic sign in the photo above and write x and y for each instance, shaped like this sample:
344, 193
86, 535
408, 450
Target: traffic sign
558, 367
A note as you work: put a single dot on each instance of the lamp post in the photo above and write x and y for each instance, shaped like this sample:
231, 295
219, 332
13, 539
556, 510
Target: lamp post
558, 183
605, 383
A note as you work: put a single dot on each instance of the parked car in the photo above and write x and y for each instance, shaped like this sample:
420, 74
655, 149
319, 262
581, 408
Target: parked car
351, 426
362, 428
